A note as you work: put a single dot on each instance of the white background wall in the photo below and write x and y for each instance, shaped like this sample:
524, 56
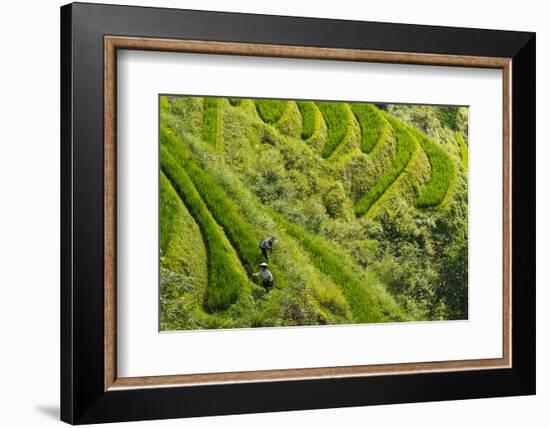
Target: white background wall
29, 214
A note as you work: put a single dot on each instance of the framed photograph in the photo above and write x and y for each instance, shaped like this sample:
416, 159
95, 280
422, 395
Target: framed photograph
266, 213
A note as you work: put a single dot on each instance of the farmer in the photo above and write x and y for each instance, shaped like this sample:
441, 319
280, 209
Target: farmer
266, 276
266, 246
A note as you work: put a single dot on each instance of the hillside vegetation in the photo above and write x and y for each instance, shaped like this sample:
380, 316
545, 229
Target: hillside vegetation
368, 204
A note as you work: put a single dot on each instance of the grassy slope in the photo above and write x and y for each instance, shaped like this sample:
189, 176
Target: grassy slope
226, 278
271, 110
306, 264
307, 110
442, 172
183, 258
181, 243
319, 132
406, 187
406, 144
372, 125
289, 266
336, 118
368, 303
290, 122
239, 233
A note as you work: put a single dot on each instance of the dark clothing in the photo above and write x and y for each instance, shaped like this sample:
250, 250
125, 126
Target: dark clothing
266, 245
267, 278
268, 285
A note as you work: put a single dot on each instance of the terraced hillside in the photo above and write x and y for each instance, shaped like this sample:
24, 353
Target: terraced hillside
368, 204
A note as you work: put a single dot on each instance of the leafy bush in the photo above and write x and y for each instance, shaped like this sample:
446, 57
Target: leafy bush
235, 101
453, 289
307, 109
449, 117
442, 172
334, 200
337, 120
406, 144
271, 110
176, 313
225, 277
372, 125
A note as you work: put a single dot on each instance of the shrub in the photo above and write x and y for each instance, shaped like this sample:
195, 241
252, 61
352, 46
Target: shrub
453, 289
270, 110
449, 117
176, 313
307, 109
372, 124
336, 118
406, 144
235, 102
225, 277
442, 172
334, 201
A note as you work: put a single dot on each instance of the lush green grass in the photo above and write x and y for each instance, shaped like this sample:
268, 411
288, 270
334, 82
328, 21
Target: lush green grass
239, 233
366, 303
181, 244
336, 118
168, 212
463, 150
164, 104
289, 264
226, 279
210, 121
406, 144
330, 266
307, 109
183, 257
442, 172
372, 125
271, 110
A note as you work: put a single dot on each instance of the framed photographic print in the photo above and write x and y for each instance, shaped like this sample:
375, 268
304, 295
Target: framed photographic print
326, 213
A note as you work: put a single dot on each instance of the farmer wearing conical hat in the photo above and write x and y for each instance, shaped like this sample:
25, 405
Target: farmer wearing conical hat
266, 275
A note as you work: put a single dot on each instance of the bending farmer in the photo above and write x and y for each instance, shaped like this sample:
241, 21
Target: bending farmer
266, 276
267, 246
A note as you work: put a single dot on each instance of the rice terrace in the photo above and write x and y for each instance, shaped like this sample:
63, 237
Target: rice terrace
295, 213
